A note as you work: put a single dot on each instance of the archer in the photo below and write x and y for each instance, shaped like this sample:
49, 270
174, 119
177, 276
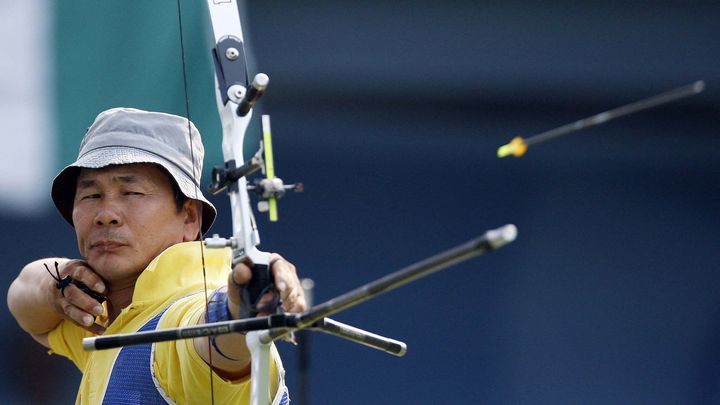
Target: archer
133, 198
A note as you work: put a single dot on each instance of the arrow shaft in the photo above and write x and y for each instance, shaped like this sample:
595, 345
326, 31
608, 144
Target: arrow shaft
603, 117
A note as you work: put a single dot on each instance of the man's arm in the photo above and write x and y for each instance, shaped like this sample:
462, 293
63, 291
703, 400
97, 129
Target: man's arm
39, 306
233, 345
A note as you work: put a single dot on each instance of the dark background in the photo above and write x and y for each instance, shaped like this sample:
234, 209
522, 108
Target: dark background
391, 113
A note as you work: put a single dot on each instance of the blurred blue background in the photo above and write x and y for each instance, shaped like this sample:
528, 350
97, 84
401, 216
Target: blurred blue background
390, 113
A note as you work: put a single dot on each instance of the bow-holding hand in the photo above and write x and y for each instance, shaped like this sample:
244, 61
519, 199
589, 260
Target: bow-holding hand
286, 283
230, 355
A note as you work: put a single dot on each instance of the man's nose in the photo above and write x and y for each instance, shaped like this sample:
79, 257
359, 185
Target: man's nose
109, 213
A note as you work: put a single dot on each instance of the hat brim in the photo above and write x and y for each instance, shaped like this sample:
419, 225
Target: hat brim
64, 185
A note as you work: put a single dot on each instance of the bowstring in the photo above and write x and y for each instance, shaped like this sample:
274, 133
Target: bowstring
192, 155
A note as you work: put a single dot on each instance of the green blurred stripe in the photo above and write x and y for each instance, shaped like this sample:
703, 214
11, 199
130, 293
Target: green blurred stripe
127, 53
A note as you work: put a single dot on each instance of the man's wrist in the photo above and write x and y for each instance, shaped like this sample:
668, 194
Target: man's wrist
218, 311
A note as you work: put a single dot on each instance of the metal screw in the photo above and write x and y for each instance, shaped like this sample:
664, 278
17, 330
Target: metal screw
232, 53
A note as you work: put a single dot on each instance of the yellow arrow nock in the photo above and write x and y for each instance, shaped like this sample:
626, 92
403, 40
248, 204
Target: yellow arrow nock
517, 147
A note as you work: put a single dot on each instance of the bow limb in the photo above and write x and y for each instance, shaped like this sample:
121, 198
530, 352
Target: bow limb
233, 91
235, 98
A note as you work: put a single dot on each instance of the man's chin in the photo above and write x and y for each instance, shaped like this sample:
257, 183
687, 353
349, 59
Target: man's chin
110, 266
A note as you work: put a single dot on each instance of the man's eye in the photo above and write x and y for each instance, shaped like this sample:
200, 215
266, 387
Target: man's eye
133, 193
90, 196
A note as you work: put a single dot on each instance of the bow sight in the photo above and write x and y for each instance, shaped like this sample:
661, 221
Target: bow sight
269, 189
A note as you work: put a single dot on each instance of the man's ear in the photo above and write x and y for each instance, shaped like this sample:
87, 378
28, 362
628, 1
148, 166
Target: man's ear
193, 220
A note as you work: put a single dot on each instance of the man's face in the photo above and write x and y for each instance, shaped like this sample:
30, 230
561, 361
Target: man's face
124, 216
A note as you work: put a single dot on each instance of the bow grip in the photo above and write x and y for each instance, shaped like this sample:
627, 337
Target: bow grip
261, 283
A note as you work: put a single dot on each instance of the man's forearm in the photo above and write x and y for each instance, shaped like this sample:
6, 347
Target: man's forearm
30, 298
230, 355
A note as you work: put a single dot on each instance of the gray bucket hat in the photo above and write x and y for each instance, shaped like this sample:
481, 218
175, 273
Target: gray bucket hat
127, 135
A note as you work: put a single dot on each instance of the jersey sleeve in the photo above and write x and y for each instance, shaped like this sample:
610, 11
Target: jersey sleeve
183, 374
66, 340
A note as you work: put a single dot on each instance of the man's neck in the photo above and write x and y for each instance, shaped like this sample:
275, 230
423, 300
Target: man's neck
117, 300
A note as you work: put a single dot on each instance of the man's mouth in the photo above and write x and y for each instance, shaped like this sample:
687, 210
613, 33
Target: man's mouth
107, 245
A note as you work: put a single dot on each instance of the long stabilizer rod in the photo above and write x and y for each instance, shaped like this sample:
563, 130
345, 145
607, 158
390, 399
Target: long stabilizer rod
491, 240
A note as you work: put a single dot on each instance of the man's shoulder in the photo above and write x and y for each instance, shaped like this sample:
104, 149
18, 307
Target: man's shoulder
192, 255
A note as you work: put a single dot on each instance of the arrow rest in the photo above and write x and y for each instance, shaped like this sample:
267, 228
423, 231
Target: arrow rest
266, 188
224, 177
